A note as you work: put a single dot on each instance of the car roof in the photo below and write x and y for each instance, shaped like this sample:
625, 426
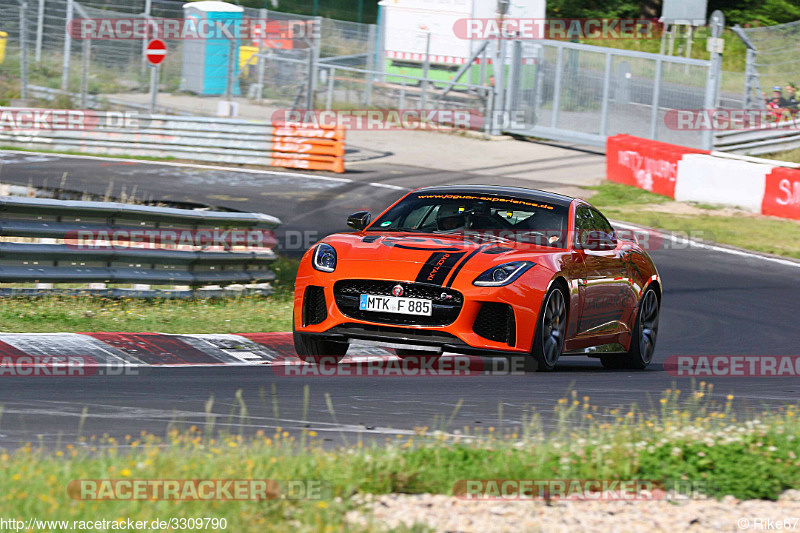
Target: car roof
518, 192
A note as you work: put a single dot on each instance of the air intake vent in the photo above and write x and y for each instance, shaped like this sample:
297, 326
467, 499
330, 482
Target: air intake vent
495, 321
314, 308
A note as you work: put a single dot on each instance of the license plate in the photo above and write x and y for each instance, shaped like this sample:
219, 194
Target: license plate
393, 304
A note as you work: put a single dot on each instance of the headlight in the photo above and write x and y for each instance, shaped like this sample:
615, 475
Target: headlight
502, 274
324, 258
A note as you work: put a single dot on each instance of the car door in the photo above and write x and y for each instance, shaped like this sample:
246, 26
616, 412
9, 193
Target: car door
603, 303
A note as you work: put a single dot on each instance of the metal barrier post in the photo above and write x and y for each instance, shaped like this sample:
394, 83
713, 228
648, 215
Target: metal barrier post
67, 48
717, 23
656, 94
154, 72
426, 65
557, 87
329, 95
402, 103
606, 96
23, 60
39, 31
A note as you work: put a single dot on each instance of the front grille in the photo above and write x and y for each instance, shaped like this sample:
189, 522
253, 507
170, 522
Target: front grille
446, 302
495, 321
314, 308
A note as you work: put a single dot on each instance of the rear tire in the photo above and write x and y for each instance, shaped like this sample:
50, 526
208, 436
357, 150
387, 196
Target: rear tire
548, 341
315, 350
643, 337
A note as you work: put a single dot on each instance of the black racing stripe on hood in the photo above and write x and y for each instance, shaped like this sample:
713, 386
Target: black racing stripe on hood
464, 262
437, 267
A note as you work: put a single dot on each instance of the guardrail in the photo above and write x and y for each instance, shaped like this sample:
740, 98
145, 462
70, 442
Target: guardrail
767, 139
302, 146
115, 247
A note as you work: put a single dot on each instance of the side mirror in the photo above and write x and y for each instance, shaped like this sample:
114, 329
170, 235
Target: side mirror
359, 220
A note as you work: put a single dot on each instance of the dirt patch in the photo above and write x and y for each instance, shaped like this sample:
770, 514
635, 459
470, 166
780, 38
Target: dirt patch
449, 514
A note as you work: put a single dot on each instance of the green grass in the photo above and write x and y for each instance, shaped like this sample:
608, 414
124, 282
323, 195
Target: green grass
685, 437
791, 156
758, 233
244, 314
87, 313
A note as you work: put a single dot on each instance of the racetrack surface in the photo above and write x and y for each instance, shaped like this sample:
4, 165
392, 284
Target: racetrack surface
714, 303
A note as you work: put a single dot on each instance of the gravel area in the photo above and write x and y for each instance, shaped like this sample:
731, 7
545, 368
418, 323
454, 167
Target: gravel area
448, 514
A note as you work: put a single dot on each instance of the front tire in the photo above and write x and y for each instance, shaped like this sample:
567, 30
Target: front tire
548, 341
643, 341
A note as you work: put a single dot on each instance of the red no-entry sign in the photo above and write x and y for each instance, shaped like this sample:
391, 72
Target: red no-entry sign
156, 51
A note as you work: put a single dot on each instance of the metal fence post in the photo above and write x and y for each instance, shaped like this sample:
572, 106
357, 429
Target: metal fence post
370, 66
606, 96
39, 31
67, 48
654, 107
329, 95
23, 59
717, 23
85, 58
426, 65
498, 68
145, 39
401, 104
262, 13
557, 87
512, 87
231, 70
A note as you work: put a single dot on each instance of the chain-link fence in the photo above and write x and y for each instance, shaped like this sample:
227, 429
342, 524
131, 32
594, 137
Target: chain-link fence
55, 59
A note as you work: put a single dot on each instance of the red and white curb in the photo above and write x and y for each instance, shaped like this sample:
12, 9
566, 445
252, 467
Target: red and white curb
163, 350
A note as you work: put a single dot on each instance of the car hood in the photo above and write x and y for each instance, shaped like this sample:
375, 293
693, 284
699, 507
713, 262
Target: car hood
428, 257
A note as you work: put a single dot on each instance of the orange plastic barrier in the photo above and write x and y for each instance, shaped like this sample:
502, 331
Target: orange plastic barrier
782, 193
308, 146
646, 164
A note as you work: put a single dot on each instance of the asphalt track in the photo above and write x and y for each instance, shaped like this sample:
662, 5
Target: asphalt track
715, 303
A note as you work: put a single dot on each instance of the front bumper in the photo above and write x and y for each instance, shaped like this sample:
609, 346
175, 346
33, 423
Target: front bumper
489, 320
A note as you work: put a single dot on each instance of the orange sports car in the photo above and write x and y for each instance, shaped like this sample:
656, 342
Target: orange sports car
480, 270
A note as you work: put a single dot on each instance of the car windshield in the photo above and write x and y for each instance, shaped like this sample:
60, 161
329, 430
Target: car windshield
509, 218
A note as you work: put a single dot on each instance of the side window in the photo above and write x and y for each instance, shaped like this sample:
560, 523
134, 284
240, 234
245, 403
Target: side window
600, 223
583, 225
588, 222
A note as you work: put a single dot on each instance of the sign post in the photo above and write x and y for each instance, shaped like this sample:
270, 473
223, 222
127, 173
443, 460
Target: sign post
154, 52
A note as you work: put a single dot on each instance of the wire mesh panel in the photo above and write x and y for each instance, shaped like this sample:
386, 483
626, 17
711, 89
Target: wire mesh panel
583, 93
777, 60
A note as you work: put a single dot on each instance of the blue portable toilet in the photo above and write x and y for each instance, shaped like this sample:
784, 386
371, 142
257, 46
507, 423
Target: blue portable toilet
205, 61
